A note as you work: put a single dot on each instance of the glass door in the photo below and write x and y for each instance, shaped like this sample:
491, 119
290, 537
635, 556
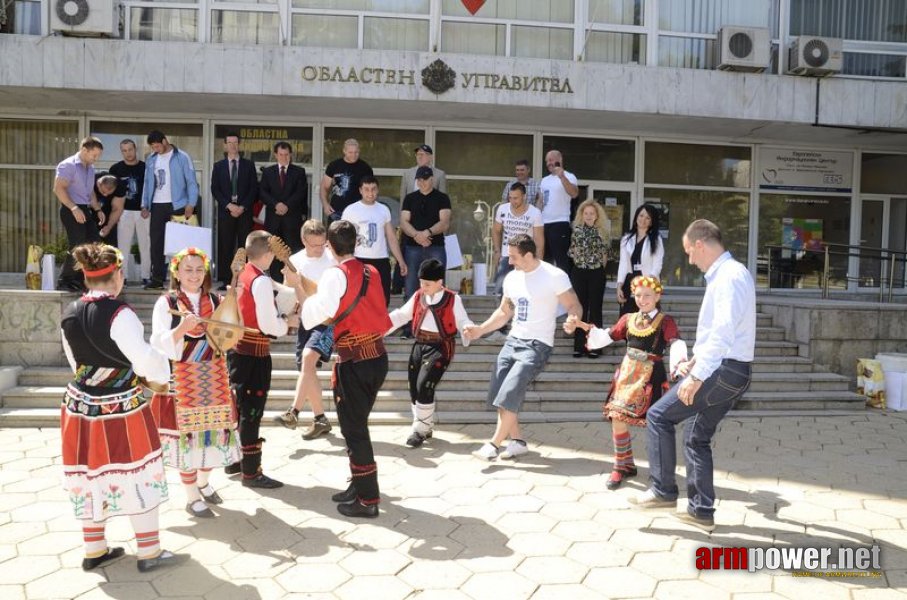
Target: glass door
618, 206
872, 235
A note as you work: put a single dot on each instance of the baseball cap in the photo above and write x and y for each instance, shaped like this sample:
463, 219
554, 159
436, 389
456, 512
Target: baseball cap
424, 148
424, 173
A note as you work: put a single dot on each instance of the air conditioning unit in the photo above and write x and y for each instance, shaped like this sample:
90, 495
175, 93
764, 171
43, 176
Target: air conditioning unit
815, 56
85, 17
742, 49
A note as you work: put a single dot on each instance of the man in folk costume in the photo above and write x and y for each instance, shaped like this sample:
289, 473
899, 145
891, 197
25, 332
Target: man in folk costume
111, 448
437, 315
197, 419
350, 296
250, 361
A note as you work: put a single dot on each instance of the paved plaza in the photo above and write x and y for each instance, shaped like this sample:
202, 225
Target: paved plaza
452, 526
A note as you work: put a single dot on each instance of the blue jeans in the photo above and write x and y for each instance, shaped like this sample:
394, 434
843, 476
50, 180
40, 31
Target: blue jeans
414, 255
504, 267
717, 395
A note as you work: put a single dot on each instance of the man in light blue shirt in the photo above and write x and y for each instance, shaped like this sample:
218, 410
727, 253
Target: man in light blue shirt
715, 377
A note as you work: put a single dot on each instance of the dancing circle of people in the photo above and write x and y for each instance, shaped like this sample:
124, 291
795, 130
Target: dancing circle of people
194, 396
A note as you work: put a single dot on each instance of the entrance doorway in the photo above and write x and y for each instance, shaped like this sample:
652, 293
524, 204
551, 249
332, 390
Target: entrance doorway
883, 226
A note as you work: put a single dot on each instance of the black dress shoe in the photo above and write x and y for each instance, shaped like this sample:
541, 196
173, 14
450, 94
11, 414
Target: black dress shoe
164, 559
212, 498
153, 285
346, 496
578, 354
234, 469
358, 509
262, 481
93, 563
594, 354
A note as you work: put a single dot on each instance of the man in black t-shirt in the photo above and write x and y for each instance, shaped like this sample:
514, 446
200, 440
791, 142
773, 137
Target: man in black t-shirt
424, 219
340, 184
133, 220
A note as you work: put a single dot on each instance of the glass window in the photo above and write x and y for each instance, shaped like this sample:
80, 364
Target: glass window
386, 6
679, 208
882, 174
472, 234
482, 154
244, 27
325, 31
163, 24
395, 34
686, 53
37, 142
708, 16
880, 21
800, 224
380, 148
473, 38
697, 164
185, 136
875, 65
603, 46
250, 1
620, 12
26, 17
590, 158
29, 213
257, 142
523, 10
542, 42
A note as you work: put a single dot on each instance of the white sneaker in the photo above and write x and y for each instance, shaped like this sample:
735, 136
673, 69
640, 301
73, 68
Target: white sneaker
648, 499
486, 452
514, 449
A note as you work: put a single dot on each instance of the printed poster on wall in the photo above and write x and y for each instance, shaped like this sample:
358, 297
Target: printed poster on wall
799, 235
805, 170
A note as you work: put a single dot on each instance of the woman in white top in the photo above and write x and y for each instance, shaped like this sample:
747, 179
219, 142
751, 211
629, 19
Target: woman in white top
641, 253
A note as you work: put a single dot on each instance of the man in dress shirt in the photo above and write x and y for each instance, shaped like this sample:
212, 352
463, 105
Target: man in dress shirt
234, 187
715, 377
80, 210
284, 190
424, 158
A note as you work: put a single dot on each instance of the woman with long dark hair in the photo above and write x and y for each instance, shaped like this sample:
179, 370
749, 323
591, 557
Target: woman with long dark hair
641, 253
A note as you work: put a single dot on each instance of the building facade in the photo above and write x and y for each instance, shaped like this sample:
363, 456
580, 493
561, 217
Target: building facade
633, 92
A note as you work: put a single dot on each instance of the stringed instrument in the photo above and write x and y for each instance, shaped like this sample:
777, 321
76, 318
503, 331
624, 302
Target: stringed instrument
282, 253
228, 328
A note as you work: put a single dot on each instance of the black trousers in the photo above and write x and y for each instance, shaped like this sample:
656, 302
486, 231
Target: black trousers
289, 229
557, 242
231, 234
589, 285
427, 365
356, 386
384, 269
630, 305
250, 379
160, 216
76, 234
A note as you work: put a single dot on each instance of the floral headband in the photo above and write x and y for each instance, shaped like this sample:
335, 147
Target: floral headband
192, 251
109, 268
646, 281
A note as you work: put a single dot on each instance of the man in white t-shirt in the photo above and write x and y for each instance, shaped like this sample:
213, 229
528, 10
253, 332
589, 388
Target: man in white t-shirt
512, 218
375, 233
558, 188
532, 293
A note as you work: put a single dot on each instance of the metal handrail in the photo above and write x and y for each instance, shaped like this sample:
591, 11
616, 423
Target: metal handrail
889, 255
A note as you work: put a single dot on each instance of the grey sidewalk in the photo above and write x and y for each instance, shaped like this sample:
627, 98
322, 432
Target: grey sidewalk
454, 527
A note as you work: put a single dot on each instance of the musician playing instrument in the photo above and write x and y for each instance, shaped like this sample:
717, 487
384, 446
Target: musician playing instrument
111, 449
249, 362
197, 419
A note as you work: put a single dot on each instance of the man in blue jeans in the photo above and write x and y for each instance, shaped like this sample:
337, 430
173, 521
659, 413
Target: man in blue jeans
714, 379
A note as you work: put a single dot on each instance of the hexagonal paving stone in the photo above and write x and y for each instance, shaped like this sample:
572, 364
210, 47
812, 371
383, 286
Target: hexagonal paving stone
426, 575
245, 565
688, 590
246, 589
313, 577
433, 548
72, 582
378, 562
666, 565
868, 519
642, 541
498, 585
538, 544
50, 543
798, 588
600, 554
568, 511
374, 587
514, 523
24, 569
552, 570
190, 579
374, 536
620, 582
582, 531
518, 504
556, 493
573, 591
135, 590
739, 582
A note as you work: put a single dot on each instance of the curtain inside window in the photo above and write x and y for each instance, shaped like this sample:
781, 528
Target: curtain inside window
164, 24
867, 20
240, 27
708, 16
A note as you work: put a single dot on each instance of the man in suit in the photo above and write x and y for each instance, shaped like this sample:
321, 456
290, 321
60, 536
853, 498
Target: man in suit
234, 187
285, 194
424, 158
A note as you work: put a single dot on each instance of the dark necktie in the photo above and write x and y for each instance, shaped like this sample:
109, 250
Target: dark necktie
233, 176
283, 176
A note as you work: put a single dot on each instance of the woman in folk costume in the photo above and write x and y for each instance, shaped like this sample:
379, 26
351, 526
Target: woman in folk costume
111, 448
641, 379
197, 419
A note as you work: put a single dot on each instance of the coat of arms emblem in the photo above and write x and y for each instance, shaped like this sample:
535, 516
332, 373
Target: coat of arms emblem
438, 77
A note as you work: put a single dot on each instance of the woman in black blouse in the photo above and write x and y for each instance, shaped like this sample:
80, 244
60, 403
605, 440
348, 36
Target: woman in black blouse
589, 251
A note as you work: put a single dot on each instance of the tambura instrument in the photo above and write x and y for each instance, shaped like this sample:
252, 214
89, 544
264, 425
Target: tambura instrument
226, 328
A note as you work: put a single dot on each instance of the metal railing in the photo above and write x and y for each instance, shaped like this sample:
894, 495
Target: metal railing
888, 257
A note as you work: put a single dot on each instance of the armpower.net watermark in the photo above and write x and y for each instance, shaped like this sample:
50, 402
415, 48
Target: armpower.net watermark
845, 561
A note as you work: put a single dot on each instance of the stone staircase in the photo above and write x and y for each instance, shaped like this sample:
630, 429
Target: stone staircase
570, 389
